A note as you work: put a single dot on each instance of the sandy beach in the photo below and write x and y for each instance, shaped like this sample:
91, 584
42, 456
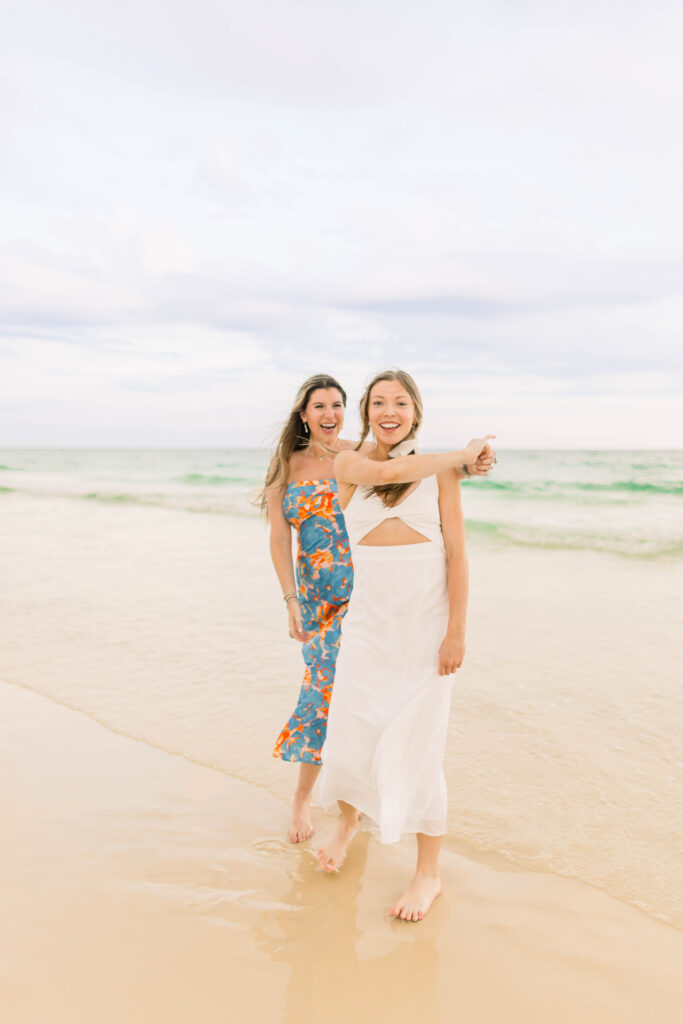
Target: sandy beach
139, 886
146, 672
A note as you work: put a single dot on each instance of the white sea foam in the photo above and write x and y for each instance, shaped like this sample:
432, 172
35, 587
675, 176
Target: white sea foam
629, 503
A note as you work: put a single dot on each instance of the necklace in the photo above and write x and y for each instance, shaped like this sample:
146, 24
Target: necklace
321, 458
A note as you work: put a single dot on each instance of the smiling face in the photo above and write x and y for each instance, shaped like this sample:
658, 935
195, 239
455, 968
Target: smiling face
391, 412
324, 414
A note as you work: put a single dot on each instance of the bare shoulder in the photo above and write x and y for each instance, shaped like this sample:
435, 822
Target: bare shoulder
297, 461
346, 458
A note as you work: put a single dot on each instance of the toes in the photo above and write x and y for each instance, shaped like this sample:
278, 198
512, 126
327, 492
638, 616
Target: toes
406, 913
300, 835
325, 861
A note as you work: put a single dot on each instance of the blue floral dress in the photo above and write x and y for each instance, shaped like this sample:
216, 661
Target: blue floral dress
324, 577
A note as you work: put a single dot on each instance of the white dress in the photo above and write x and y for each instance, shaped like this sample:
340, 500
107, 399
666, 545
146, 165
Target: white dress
388, 715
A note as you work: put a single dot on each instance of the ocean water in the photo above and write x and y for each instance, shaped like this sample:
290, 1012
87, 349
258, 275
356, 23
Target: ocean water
137, 588
625, 502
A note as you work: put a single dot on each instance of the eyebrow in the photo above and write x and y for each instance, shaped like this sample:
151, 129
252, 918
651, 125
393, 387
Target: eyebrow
402, 394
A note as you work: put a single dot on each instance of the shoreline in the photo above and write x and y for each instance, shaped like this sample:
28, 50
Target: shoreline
143, 886
459, 848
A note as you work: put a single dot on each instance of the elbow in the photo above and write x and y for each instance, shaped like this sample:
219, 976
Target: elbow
389, 473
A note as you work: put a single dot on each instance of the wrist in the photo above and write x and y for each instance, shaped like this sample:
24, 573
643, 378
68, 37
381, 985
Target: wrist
456, 632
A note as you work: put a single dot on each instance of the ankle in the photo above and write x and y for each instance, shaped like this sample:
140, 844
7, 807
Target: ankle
427, 874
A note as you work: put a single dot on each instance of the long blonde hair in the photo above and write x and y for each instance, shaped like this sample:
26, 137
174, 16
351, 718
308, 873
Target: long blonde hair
390, 493
292, 437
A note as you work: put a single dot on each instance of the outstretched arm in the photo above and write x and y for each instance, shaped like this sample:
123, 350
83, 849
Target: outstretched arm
452, 650
355, 468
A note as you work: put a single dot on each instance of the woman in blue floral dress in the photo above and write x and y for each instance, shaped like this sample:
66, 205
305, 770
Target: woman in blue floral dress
301, 494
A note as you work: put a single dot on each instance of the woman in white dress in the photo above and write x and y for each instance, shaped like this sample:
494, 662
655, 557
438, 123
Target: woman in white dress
402, 638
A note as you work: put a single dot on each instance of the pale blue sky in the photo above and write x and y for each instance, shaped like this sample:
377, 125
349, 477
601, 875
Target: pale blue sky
201, 204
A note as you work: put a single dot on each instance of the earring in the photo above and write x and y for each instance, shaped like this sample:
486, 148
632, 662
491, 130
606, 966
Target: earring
306, 430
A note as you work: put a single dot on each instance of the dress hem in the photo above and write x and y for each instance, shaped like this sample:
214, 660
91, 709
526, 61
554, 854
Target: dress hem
371, 824
297, 760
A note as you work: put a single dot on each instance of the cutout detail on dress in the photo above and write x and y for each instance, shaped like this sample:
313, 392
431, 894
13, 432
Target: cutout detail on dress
378, 536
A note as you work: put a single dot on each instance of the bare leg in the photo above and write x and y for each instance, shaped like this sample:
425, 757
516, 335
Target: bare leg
302, 826
331, 855
426, 885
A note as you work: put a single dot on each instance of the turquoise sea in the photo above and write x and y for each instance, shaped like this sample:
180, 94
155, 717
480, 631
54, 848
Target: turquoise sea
626, 502
137, 588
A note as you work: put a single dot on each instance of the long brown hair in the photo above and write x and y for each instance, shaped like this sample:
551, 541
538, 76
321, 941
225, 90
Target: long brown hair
391, 493
292, 437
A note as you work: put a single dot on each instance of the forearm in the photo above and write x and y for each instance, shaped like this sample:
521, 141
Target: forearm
281, 555
407, 468
351, 468
458, 592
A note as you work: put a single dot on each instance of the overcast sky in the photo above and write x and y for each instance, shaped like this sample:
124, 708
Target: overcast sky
202, 203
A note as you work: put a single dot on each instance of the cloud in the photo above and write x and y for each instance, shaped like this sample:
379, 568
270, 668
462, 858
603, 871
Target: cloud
199, 196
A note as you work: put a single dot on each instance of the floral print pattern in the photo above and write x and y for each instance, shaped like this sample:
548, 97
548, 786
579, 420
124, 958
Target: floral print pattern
324, 577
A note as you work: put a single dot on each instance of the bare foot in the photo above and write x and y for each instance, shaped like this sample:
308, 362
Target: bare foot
331, 855
302, 826
418, 898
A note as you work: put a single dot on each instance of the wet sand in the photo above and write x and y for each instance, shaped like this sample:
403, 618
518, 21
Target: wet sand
139, 886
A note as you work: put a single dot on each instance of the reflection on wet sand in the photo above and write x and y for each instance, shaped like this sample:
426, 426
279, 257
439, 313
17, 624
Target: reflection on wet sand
140, 887
320, 938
